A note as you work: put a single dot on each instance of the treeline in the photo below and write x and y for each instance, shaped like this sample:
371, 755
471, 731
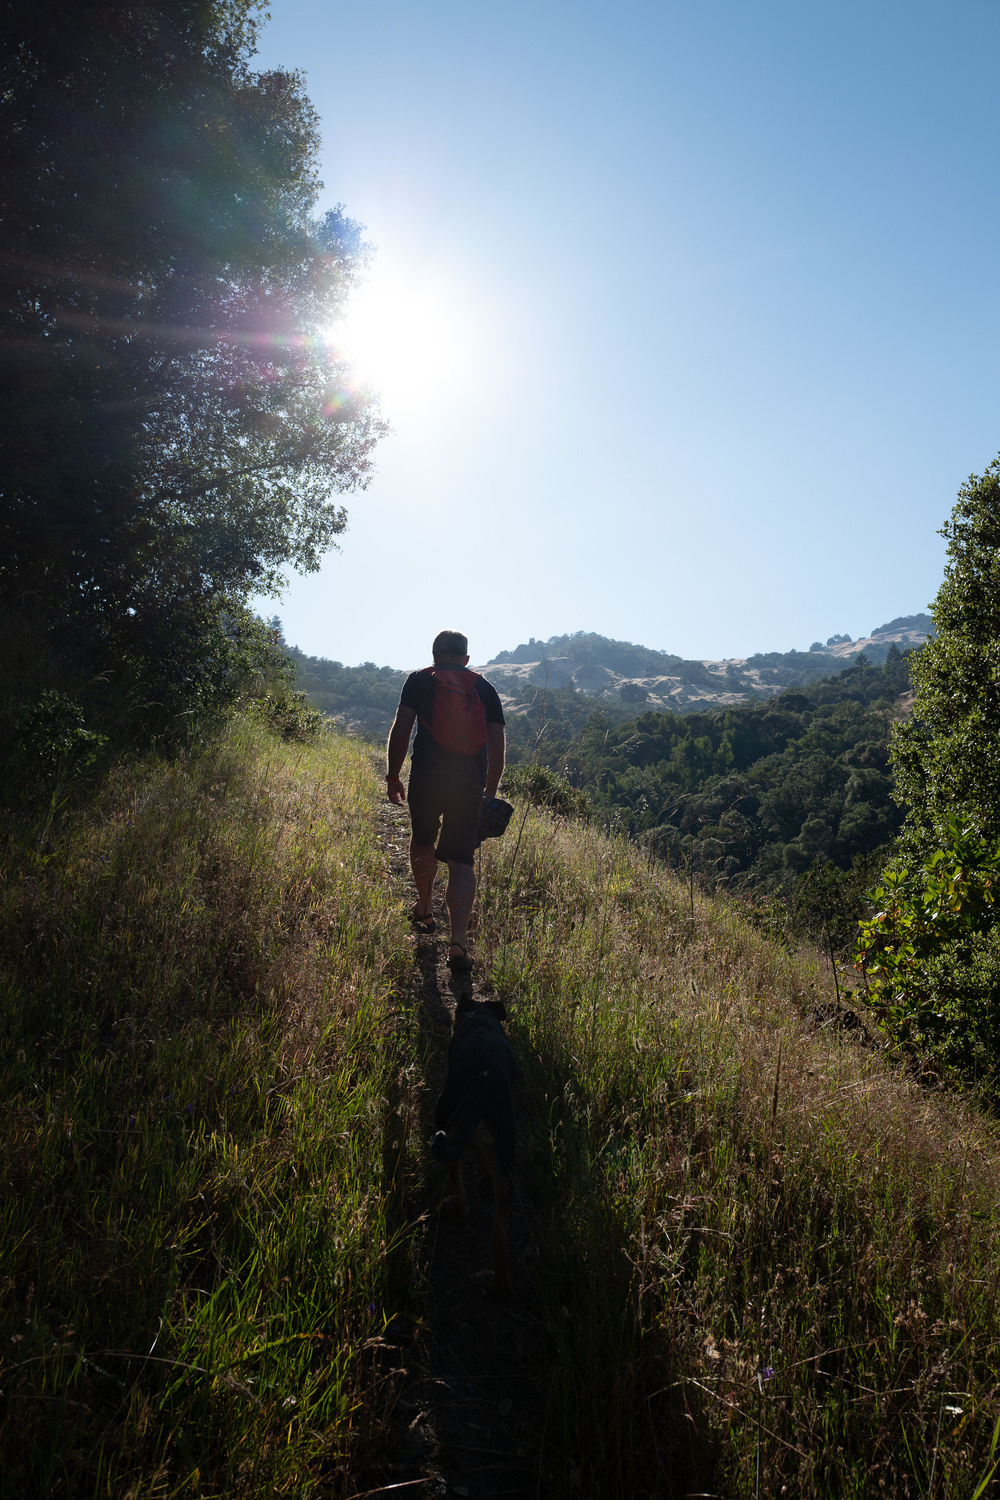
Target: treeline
365, 693
772, 669
763, 792
178, 431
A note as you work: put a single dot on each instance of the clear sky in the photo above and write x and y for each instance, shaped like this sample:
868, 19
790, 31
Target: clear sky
684, 314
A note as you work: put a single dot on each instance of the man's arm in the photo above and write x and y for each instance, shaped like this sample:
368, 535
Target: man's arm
395, 753
495, 747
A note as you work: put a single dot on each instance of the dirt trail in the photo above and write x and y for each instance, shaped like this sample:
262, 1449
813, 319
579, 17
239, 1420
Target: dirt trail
469, 1418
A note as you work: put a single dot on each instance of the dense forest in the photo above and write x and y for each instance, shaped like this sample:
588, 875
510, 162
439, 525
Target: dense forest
754, 795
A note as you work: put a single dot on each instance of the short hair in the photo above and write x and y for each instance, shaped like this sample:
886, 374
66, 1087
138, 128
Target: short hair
450, 643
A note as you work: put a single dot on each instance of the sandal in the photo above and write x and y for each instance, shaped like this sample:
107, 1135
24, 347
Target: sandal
462, 964
423, 923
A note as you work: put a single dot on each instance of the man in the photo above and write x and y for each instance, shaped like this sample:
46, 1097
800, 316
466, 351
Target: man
457, 761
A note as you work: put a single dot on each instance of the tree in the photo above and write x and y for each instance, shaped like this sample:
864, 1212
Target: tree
178, 428
930, 954
947, 755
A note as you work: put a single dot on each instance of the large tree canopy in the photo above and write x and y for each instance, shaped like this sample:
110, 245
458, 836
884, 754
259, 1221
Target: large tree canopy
177, 428
947, 754
930, 954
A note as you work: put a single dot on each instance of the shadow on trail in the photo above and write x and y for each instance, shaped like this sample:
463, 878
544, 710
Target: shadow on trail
467, 1416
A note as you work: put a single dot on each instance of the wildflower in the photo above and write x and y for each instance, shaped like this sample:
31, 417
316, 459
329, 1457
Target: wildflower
189, 1108
372, 1309
131, 1121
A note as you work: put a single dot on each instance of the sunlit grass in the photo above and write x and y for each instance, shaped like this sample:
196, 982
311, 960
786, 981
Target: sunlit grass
198, 1025
771, 1262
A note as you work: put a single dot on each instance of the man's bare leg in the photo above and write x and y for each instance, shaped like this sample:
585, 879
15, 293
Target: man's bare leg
460, 895
423, 867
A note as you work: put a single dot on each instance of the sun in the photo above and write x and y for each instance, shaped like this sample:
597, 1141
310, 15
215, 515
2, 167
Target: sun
407, 336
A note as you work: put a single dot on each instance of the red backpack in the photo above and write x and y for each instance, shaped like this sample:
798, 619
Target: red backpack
458, 719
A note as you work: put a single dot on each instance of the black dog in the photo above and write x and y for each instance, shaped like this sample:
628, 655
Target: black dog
475, 1108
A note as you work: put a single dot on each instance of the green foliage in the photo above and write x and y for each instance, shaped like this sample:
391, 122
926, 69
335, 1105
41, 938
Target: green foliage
947, 756
364, 697
291, 715
931, 955
542, 787
52, 735
759, 793
789, 668
60, 720
177, 426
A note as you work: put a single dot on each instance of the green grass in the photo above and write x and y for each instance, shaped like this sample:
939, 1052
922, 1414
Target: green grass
771, 1263
198, 1032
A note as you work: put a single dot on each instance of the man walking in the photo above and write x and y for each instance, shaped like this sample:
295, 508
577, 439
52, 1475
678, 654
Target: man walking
457, 761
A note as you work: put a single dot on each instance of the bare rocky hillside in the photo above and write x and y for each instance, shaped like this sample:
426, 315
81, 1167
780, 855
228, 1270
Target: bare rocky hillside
588, 664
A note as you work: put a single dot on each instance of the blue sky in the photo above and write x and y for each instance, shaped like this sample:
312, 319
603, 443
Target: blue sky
684, 314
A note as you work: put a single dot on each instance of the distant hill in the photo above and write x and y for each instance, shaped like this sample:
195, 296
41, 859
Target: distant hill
606, 669
623, 678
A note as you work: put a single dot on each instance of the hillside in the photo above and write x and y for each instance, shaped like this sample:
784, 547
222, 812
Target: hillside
788, 792
757, 795
603, 668
750, 1254
622, 677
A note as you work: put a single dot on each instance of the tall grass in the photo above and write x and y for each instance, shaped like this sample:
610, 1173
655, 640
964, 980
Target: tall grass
197, 989
771, 1263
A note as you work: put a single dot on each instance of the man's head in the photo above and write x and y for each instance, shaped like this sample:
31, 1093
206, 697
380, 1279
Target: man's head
451, 645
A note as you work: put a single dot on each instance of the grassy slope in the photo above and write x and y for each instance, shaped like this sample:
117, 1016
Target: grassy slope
772, 1260
210, 1108
197, 1039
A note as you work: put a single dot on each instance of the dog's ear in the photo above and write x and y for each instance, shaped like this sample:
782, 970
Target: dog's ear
463, 1007
496, 1008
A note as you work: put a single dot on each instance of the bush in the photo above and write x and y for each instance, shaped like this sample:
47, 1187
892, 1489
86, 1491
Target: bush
545, 788
931, 956
291, 715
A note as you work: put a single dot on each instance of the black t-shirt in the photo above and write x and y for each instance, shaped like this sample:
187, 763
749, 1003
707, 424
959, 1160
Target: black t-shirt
418, 694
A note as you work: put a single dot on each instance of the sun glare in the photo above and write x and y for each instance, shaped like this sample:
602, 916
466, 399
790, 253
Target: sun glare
407, 337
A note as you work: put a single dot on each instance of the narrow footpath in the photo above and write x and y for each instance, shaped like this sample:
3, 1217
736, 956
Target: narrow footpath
469, 1416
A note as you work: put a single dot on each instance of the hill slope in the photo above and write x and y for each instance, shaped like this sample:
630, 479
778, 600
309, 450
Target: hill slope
620, 676
756, 1250
597, 666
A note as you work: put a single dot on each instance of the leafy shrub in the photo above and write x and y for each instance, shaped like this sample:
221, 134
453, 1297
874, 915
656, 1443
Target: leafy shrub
545, 788
291, 715
52, 736
931, 956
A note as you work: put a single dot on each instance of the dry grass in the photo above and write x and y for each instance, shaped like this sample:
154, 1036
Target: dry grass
769, 1260
199, 974
772, 1260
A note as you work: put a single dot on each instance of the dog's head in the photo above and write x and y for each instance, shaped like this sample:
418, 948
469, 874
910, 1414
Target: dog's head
467, 1006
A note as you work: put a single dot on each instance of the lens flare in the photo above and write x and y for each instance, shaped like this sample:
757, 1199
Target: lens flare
407, 335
